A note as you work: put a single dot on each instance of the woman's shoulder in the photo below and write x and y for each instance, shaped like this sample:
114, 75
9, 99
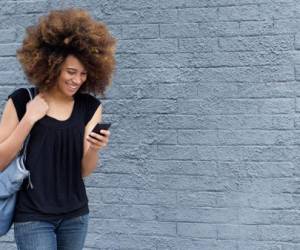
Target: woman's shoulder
20, 94
90, 105
88, 98
20, 97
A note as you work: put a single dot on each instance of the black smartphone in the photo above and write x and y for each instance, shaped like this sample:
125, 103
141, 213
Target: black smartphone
100, 126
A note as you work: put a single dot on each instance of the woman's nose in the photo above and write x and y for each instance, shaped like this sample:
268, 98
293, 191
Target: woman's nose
77, 79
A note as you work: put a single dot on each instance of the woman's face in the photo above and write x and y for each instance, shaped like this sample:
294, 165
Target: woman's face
72, 76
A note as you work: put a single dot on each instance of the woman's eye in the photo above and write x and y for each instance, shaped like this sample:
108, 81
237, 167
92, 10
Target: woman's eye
71, 72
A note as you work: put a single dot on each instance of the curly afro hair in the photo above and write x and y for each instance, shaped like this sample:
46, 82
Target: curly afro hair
65, 32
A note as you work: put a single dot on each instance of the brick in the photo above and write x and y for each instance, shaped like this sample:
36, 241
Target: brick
115, 30
197, 230
294, 57
7, 21
156, 106
110, 165
285, 217
182, 4
264, 1
158, 16
257, 43
123, 17
198, 137
297, 104
195, 45
258, 28
257, 169
258, 232
233, 232
206, 59
179, 30
7, 7
149, 137
8, 49
145, 75
114, 211
195, 183
277, 233
135, 227
219, 29
235, 74
279, 10
236, 106
180, 167
297, 41
118, 240
174, 91
241, 90
119, 107
138, 197
11, 77
227, 121
287, 26
196, 4
8, 63
9, 238
167, 152
217, 59
130, 151
272, 202
201, 215
285, 185
297, 72
27, 20
233, 199
239, 13
31, 6
259, 245
7, 35
148, 46
132, 91
140, 31
253, 216
255, 153
131, 4
196, 199
141, 60
54, 3
260, 137
190, 15
194, 244
8, 245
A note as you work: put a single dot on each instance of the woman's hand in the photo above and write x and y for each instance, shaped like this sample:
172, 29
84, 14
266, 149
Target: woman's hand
36, 108
98, 141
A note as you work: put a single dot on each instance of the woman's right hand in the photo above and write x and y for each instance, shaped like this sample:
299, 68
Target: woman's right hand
36, 108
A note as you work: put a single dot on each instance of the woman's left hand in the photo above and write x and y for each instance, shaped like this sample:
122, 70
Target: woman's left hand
98, 141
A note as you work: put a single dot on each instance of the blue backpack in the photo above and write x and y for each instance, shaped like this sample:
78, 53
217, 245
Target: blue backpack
11, 179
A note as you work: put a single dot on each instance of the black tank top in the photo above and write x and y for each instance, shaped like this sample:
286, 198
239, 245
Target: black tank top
54, 155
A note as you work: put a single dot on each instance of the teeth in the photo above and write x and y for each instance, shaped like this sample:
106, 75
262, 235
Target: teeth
72, 87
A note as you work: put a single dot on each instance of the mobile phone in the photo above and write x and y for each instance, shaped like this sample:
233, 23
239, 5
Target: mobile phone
100, 126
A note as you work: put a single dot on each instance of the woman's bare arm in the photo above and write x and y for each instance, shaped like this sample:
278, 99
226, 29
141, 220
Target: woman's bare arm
13, 133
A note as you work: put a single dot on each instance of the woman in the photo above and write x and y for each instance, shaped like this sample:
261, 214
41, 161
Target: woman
66, 56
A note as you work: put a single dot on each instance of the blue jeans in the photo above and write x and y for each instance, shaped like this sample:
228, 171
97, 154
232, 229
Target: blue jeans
65, 234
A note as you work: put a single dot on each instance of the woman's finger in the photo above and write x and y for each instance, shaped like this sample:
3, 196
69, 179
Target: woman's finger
98, 142
105, 132
96, 136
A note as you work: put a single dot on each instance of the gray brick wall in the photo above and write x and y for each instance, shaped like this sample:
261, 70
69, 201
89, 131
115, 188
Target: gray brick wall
205, 106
